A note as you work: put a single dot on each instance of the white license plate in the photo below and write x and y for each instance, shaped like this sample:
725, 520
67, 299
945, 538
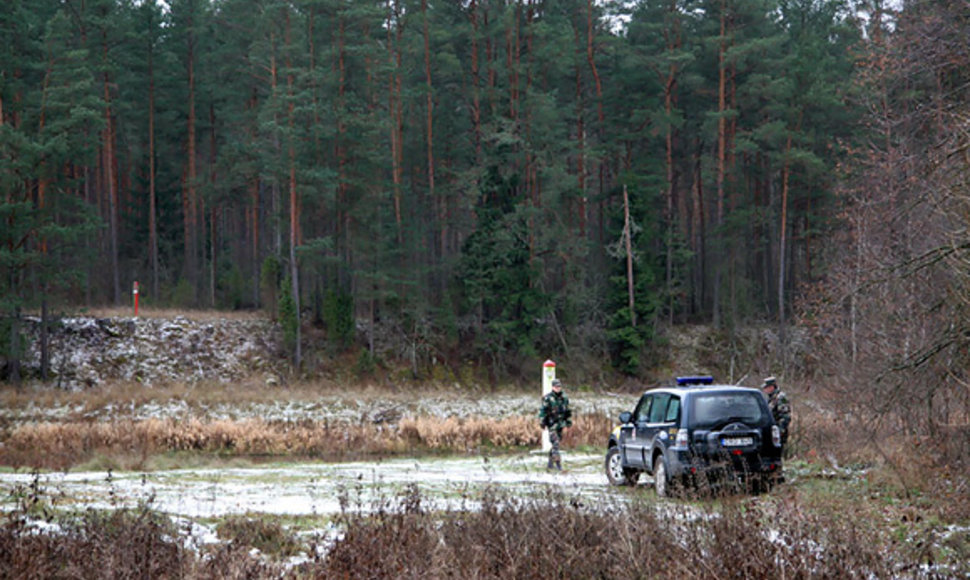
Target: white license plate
736, 441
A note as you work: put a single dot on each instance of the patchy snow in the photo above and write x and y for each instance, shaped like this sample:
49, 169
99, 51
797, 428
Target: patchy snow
312, 488
334, 408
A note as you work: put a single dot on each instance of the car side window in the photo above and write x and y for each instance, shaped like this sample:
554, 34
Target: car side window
673, 410
642, 414
659, 409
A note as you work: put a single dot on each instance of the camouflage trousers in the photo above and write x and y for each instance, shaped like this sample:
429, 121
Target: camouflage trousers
555, 460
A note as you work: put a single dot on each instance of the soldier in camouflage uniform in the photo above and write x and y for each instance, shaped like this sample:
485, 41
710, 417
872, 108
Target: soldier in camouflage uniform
555, 415
780, 407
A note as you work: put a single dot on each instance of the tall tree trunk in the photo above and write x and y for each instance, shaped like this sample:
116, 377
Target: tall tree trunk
294, 200
721, 163
14, 354
253, 213
109, 176
581, 210
190, 196
512, 59
476, 110
673, 42
254, 237
395, 106
43, 180
602, 166
699, 233
440, 204
591, 59
343, 216
275, 201
783, 241
45, 354
152, 199
601, 116
628, 235
213, 210
490, 57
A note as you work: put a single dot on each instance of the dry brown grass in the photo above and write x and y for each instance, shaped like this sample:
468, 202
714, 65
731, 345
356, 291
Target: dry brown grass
153, 312
551, 536
123, 543
561, 537
63, 445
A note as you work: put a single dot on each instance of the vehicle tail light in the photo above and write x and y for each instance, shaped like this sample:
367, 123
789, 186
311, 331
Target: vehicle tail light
681, 440
776, 435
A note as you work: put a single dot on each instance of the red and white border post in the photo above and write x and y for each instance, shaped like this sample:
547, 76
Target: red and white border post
548, 373
134, 292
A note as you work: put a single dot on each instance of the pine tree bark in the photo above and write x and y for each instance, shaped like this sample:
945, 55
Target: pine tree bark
476, 109
721, 168
152, 199
109, 174
627, 235
395, 25
673, 42
442, 203
45, 354
581, 210
294, 200
591, 59
783, 241
190, 194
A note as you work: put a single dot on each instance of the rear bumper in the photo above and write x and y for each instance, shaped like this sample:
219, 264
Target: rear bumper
687, 464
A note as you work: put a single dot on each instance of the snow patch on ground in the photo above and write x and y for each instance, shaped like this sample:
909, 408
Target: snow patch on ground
312, 488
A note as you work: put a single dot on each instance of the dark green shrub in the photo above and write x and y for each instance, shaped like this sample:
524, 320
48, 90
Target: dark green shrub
287, 314
338, 315
269, 284
183, 295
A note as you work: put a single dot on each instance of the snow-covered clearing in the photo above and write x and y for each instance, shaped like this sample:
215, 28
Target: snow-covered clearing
313, 488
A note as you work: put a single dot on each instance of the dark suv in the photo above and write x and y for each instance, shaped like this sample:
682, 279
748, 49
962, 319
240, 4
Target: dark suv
696, 433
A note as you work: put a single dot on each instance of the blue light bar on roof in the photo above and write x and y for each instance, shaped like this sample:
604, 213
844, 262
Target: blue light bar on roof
695, 380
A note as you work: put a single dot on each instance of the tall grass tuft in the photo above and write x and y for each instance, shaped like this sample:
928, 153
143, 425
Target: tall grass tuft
558, 536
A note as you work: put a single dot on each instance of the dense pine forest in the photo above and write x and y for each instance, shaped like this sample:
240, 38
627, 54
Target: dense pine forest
498, 180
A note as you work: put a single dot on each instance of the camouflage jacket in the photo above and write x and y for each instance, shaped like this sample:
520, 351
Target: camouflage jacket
780, 409
555, 413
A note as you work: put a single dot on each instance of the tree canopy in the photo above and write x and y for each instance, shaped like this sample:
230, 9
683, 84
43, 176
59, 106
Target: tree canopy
510, 179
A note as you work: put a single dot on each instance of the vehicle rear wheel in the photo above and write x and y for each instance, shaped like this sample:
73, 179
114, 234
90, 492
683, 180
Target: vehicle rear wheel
661, 481
616, 473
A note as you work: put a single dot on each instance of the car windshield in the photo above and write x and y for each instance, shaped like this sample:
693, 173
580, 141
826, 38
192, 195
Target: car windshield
711, 409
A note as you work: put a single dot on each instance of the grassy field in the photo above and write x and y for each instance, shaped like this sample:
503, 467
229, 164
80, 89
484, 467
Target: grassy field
201, 482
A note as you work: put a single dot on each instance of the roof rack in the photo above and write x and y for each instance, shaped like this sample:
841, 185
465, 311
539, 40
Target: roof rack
695, 380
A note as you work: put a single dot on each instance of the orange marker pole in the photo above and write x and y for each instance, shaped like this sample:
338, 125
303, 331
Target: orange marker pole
134, 291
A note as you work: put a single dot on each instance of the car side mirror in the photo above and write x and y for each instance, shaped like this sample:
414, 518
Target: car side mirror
625, 417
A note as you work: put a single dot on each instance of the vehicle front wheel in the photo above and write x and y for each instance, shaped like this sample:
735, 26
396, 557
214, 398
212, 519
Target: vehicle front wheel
615, 472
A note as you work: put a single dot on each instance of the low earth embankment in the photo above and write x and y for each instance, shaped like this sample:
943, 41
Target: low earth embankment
88, 351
